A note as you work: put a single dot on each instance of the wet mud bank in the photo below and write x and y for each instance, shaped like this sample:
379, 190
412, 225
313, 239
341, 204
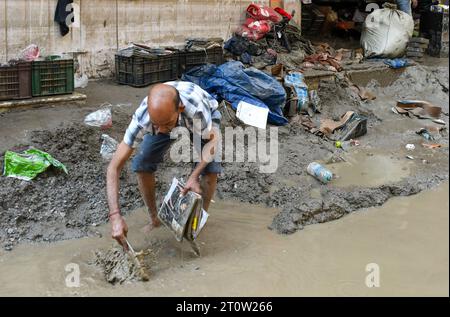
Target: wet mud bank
56, 206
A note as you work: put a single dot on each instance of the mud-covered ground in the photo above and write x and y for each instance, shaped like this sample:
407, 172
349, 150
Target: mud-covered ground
56, 206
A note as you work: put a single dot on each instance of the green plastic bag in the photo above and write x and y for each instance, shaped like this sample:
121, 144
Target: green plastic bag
29, 164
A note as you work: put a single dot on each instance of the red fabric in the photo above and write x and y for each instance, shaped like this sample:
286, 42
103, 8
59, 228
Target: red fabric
254, 29
259, 12
283, 13
262, 26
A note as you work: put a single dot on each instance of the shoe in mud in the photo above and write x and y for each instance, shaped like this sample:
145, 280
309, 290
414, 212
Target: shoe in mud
354, 128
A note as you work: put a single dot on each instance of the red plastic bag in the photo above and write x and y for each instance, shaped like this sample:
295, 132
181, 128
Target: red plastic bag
262, 26
283, 13
254, 29
259, 12
30, 53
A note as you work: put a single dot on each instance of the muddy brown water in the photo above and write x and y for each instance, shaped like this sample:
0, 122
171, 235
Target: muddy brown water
369, 169
408, 238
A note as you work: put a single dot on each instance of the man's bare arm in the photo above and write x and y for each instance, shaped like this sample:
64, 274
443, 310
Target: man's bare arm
119, 227
115, 167
208, 153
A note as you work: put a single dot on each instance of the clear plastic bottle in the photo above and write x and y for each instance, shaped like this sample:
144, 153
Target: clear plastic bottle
319, 172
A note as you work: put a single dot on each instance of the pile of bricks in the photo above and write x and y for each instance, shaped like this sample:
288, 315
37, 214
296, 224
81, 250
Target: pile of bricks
416, 48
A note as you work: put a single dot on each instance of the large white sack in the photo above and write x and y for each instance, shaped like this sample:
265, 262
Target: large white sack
386, 33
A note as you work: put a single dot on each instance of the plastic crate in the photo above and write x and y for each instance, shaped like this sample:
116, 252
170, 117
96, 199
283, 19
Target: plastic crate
53, 77
15, 81
138, 71
189, 60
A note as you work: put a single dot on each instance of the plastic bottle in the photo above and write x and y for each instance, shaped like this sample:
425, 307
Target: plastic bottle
319, 172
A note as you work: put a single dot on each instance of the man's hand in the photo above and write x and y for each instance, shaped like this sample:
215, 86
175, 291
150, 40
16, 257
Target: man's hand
119, 230
414, 3
193, 184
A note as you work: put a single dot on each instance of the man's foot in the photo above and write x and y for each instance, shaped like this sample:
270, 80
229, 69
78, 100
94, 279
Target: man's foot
155, 223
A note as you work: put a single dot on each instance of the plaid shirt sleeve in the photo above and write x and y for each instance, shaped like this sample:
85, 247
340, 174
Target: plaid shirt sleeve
139, 121
199, 104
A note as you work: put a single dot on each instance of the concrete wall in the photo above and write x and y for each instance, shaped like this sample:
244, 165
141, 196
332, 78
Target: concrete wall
105, 25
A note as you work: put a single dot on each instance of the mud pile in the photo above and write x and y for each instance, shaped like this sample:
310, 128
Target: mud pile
116, 266
119, 267
421, 82
56, 206
291, 188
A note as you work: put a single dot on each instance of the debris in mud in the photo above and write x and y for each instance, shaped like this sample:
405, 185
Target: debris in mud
431, 146
119, 267
56, 206
27, 165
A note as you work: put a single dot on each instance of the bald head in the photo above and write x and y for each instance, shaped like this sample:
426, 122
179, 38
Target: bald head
164, 106
162, 95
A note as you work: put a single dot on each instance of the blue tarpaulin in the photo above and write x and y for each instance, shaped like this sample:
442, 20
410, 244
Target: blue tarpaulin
235, 83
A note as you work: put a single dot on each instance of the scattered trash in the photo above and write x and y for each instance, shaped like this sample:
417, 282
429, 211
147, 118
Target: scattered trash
101, 118
314, 101
409, 157
81, 81
439, 121
28, 164
278, 70
410, 147
30, 53
419, 108
345, 145
386, 32
324, 59
319, 172
431, 146
362, 92
252, 115
234, 83
296, 81
108, 147
351, 126
424, 133
397, 63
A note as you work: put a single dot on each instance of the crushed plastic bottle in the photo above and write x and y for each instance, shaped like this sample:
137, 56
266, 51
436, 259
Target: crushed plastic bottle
319, 172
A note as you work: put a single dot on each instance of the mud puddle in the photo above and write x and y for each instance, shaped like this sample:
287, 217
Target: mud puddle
369, 169
407, 238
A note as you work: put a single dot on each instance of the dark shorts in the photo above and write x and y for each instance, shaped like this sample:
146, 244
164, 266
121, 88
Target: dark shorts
151, 153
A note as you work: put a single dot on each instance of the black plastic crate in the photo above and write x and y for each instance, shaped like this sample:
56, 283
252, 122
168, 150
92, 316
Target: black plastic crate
53, 77
188, 60
139, 71
15, 81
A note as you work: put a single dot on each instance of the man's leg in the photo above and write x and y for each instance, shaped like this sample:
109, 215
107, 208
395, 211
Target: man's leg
404, 5
145, 163
147, 183
208, 184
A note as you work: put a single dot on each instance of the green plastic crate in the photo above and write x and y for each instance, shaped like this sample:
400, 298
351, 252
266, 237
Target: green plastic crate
52, 77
